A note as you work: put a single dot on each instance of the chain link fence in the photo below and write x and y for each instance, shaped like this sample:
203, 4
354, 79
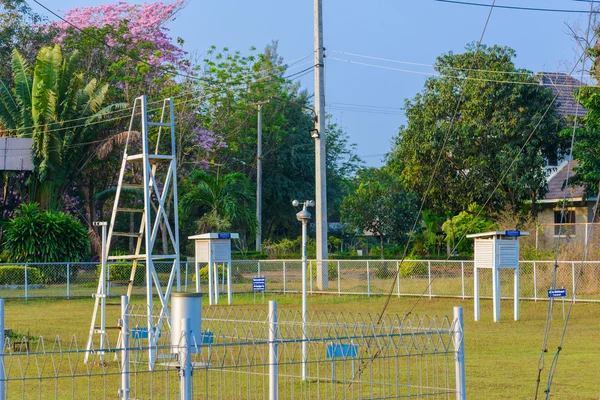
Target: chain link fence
432, 278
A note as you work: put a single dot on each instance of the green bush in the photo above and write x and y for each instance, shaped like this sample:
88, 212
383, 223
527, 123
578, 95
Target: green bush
15, 275
204, 274
410, 269
122, 272
34, 235
332, 271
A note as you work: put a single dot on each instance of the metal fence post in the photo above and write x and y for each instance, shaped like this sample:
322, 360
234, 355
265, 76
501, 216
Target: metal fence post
339, 279
398, 277
429, 277
68, 280
258, 270
462, 278
368, 280
26, 284
273, 365
310, 279
186, 275
284, 276
573, 280
534, 281
124, 323
185, 360
459, 351
2, 372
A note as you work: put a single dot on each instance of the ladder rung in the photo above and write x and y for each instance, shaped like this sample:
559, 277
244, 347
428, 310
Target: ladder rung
119, 281
132, 210
132, 186
100, 296
151, 157
97, 328
140, 257
165, 124
127, 234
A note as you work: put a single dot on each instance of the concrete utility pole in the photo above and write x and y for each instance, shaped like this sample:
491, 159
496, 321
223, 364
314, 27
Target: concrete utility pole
320, 150
259, 181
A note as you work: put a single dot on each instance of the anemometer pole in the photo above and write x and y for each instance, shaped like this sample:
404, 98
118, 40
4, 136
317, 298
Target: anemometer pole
320, 149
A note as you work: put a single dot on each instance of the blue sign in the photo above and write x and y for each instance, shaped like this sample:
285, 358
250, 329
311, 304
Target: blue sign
207, 337
141, 333
342, 350
224, 235
557, 292
512, 233
259, 284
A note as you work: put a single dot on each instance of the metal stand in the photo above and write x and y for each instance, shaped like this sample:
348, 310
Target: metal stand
156, 168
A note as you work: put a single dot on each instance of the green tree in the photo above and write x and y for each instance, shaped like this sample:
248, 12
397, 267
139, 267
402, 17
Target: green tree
218, 202
34, 235
62, 113
586, 149
466, 222
379, 204
493, 122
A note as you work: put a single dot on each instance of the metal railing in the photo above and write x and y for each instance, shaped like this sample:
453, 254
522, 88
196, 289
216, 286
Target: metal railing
431, 278
247, 355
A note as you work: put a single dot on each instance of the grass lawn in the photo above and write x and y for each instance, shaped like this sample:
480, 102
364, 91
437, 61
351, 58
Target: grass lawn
501, 359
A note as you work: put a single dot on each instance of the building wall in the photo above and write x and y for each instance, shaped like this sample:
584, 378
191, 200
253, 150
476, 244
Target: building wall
574, 234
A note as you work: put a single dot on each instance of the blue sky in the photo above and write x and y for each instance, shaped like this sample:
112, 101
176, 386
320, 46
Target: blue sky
406, 30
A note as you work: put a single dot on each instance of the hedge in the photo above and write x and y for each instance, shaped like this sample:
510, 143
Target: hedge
15, 275
204, 274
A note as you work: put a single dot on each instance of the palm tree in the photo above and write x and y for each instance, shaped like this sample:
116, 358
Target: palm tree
225, 201
62, 114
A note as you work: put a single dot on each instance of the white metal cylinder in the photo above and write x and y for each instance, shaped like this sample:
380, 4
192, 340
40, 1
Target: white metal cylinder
184, 352
459, 349
2, 381
186, 305
125, 378
304, 307
273, 364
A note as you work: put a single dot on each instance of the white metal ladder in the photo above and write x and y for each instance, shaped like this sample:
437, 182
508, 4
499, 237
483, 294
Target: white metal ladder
154, 214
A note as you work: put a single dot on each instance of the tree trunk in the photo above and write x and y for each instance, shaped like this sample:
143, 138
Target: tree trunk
534, 204
382, 247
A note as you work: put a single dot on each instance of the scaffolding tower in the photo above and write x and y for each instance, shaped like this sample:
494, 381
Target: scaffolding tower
158, 184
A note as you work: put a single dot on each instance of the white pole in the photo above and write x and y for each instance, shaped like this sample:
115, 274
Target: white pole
368, 279
459, 349
2, 372
210, 280
216, 282
429, 277
517, 293
398, 277
534, 282
124, 392
259, 181
283, 276
273, 365
104, 275
462, 278
476, 291
229, 297
68, 280
185, 360
496, 293
320, 149
304, 311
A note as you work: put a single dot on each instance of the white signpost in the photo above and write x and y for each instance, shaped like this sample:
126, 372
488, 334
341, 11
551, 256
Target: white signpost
497, 250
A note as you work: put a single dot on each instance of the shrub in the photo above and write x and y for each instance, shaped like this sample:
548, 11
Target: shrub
15, 275
204, 274
43, 236
410, 269
332, 271
122, 272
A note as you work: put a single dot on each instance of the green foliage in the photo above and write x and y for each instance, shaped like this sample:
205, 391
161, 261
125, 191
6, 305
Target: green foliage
477, 145
15, 275
122, 272
586, 148
413, 269
222, 273
465, 223
379, 204
43, 236
332, 271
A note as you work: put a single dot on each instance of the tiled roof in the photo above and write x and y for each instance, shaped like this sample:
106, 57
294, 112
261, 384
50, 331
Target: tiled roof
566, 98
555, 184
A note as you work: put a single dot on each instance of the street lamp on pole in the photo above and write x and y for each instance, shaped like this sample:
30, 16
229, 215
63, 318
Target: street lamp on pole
304, 216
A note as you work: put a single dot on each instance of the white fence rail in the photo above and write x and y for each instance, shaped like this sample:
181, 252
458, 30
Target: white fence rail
432, 278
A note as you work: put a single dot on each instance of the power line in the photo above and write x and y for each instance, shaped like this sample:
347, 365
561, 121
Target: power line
437, 75
466, 3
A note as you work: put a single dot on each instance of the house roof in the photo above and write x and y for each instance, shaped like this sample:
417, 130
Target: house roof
567, 105
557, 180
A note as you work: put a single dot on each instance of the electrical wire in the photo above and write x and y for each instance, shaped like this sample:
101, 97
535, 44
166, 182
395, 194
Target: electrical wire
466, 3
422, 205
437, 75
